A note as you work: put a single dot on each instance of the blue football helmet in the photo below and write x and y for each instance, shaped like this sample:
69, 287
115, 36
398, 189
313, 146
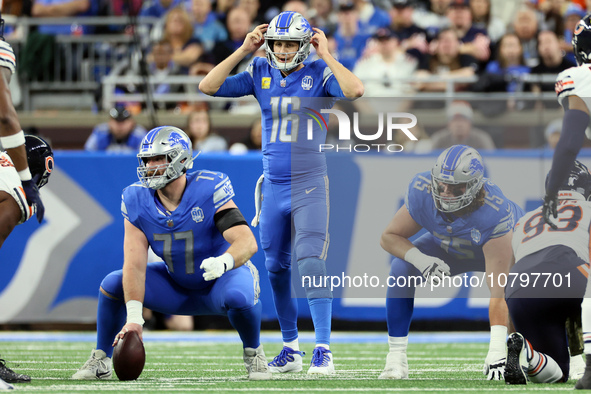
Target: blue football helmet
578, 184
168, 141
458, 165
40, 158
288, 26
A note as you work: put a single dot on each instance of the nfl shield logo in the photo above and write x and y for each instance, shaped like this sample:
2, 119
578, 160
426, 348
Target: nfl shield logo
475, 235
197, 215
282, 83
307, 82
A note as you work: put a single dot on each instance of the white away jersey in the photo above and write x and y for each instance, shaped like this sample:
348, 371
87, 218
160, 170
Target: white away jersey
7, 58
532, 234
10, 183
575, 81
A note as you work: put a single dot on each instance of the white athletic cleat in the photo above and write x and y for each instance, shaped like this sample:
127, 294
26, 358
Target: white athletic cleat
396, 366
288, 360
577, 367
5, 386
98, 366
256, 363
517, 365
321, 363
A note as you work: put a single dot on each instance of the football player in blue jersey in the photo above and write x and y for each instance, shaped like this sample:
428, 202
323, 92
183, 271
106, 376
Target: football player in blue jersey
470, 224
191, 222
294, 180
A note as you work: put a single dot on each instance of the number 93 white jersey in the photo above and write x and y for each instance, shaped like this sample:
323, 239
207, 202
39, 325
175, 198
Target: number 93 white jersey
10, 183
532, 234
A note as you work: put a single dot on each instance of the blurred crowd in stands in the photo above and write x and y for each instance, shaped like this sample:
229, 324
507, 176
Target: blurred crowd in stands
396, 47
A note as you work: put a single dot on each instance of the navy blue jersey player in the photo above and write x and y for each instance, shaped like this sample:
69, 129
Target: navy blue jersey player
294, 181
470, 224
191, 222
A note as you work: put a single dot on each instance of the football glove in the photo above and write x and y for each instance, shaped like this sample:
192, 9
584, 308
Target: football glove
215, 267
494, 365
428, 265
33, 198
549, 209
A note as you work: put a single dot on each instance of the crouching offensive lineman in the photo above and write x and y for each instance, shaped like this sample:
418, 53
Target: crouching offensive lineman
190, 221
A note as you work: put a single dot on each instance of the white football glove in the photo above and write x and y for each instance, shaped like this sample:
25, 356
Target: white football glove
258, 201
494, 365
428, 265
215, 267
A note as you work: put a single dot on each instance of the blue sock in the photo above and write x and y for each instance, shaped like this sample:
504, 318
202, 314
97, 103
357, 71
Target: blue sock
248, 324
110, 318
285, 305
399, 312
400, 300
321, 311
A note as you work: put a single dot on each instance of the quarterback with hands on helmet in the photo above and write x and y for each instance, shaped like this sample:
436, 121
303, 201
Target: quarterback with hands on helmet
191, 222
469, 225
294, 169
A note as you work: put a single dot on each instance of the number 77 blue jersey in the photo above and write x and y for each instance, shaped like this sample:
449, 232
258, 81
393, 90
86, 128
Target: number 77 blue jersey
286, 106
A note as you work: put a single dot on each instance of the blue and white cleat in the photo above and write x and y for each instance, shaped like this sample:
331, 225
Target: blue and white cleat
321, 363
288, 360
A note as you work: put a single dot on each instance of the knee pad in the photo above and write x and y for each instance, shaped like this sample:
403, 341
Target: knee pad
237, 299
313, 278
310, 245
113, 284
276, 261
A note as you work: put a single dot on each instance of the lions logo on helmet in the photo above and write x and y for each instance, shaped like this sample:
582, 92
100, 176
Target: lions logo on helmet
288, 26
172, 143
582, 41
459, 165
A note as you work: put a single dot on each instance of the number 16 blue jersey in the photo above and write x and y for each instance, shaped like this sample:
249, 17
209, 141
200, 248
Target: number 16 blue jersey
286, 106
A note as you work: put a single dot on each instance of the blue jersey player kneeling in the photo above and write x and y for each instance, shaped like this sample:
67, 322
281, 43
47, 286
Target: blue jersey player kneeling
470, 224
190, 221
294, 182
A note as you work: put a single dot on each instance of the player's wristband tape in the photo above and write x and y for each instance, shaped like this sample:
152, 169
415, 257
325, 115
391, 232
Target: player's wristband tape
25, 174
134, 312
12, 141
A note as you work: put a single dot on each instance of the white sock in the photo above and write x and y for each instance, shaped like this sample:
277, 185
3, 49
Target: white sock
398, 344
295, 345
586, 320
327, 347
542, 368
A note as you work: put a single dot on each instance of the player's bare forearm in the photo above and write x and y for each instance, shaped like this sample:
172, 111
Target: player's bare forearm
498, 312
498, 255
394, 239
351, 86
216, 77
135, 252
243, 245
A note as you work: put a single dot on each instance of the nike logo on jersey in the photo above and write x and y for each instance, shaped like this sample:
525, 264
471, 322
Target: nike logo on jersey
308, 191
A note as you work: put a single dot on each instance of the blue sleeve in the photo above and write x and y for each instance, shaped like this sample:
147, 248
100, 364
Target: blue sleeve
418, 189
574, 124
223, 192
99, 139
129, 204
238, 85
332, 87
